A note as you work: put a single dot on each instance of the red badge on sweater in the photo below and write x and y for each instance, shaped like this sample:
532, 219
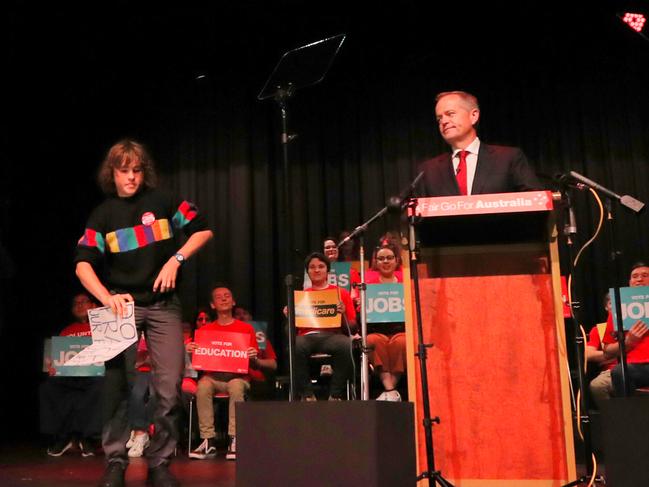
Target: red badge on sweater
148, 218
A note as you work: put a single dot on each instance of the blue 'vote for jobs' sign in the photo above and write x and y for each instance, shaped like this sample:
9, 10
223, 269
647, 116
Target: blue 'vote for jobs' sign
261, 329
385, 303
63, 348
339, 275
634, 302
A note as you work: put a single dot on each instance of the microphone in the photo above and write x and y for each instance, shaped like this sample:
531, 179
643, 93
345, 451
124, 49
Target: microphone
626, 200
393, 203
396, 202
593, 184
565, 180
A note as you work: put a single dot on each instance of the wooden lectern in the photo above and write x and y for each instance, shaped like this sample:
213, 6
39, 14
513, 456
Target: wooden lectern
498, 369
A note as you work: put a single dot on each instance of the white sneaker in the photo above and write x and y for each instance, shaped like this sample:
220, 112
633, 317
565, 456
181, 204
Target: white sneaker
140, 442
232, 449
326, 370
206, 449
393, 396
129, 443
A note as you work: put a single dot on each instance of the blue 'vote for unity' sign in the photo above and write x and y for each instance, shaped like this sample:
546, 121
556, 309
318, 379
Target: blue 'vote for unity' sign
634, 302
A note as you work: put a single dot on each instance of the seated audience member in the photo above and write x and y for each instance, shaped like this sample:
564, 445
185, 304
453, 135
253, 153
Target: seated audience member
636, 341
349, 251
236, 385
69, 406
387, 340
189, 386
189, 383
392, 240
601, 387
332, 341
141, 402
331, 251
260, 387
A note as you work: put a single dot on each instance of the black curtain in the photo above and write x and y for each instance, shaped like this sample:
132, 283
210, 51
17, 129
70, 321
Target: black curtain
567, 84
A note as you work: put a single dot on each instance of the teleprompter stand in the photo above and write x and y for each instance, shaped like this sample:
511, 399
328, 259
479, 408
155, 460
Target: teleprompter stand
298, 68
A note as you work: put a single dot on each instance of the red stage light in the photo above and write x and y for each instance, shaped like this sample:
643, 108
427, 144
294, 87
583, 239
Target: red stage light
635, 21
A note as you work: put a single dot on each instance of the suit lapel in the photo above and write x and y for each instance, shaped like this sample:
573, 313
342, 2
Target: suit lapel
448, 176
481, 171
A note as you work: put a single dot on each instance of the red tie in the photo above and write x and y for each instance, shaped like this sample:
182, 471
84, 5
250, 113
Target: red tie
460, 174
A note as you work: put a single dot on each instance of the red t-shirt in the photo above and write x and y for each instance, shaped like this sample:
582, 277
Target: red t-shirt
595, 341
76, 330
374, 277
267, 353
639, 354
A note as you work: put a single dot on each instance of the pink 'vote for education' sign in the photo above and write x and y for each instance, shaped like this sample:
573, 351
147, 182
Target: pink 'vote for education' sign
221, 351
484, 203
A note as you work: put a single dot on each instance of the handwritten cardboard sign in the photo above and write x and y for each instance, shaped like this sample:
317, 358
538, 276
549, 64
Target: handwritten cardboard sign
317, 309
221, 351
111, 335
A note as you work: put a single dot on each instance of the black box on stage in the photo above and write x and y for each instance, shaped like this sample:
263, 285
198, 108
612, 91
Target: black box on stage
625, 424
325, 443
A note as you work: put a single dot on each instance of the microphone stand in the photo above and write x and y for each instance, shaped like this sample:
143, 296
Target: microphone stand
359, 231
570, 231
422, 353
636, 206
619, 325
393, 203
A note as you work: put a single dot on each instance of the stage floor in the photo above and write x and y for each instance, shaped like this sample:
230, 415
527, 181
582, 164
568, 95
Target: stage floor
28, 465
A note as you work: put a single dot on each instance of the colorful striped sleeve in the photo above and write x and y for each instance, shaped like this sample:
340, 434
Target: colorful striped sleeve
185, 214
92, 238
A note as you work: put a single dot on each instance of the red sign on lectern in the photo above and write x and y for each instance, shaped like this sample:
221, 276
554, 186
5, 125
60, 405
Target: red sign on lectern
484, 203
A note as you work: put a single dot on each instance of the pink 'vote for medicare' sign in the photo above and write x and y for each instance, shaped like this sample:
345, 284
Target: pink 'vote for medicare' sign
221, 351
484, 203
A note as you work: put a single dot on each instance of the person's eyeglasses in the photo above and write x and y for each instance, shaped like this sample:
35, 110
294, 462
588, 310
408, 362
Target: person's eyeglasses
201, 318
387, 258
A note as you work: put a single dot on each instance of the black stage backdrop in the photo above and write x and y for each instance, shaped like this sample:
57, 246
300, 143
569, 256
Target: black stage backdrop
568, 84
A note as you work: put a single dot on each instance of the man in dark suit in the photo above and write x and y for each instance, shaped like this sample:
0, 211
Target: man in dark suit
472, 167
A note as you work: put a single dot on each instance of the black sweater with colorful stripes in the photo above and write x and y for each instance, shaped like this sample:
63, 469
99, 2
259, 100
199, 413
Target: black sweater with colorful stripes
128, 240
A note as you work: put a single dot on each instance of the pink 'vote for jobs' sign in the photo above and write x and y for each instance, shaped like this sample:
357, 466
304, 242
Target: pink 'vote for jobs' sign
484, 203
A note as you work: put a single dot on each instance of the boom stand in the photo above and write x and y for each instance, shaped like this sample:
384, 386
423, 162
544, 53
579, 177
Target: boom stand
297, 68
615, 271
570, 231
422, 355
394, 203
636, 206
358, 232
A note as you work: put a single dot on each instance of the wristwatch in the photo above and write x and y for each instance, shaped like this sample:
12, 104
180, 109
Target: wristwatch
180, 258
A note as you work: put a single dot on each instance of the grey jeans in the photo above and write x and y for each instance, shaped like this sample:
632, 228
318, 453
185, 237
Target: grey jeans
161, 322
